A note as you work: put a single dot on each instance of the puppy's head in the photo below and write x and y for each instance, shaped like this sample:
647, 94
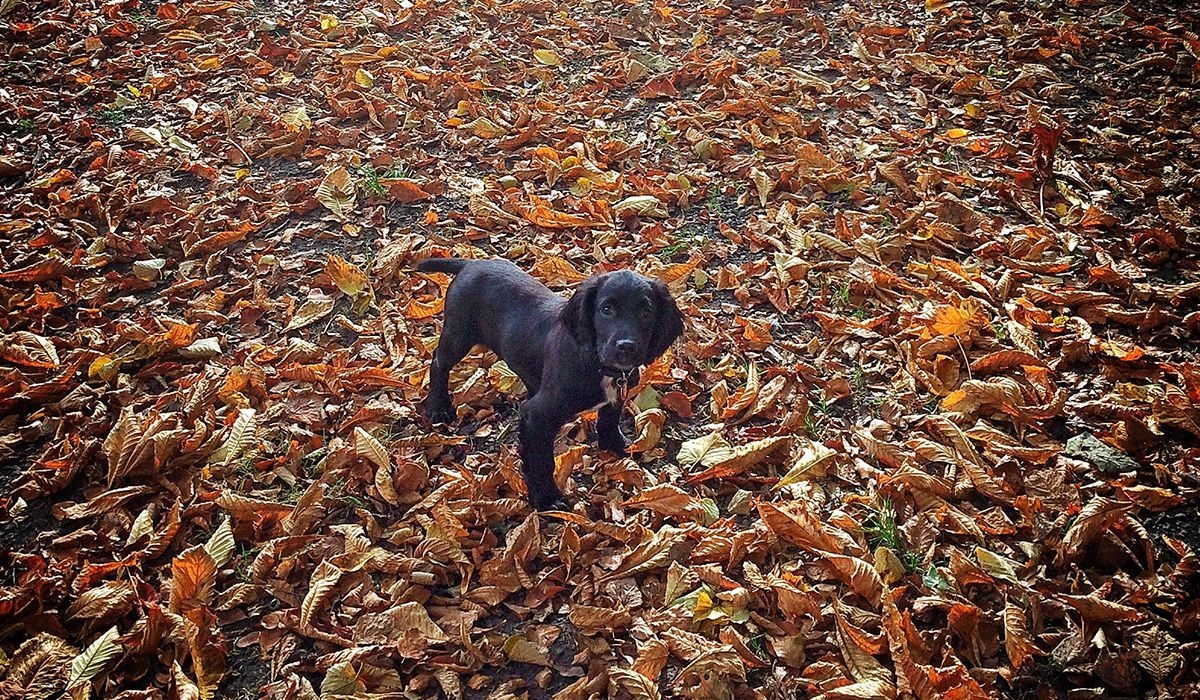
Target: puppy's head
628, 319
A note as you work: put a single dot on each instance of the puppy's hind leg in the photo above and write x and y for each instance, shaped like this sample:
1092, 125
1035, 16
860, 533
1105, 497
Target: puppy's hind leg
541, 419
453, 346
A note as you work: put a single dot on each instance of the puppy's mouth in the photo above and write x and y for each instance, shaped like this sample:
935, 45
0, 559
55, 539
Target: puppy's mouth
619, 364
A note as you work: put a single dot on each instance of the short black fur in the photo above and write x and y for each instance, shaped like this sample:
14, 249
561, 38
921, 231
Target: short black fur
565, 351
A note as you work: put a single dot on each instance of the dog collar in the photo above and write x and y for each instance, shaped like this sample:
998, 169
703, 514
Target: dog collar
622, 376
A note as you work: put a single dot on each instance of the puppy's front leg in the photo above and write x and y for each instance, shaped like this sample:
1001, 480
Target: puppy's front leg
540, 423
608, 429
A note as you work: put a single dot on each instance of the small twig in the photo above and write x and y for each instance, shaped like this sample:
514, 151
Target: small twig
967, 362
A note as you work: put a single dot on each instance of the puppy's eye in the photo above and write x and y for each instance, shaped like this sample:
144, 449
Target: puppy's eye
608, 309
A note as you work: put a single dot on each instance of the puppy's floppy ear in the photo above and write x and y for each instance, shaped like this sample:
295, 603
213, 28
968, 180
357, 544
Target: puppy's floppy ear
579, 313
668, 322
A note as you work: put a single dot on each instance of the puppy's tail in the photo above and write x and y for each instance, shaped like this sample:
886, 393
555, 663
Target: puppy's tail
448, 265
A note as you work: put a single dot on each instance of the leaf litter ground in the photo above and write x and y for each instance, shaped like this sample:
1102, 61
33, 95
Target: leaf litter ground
920, 248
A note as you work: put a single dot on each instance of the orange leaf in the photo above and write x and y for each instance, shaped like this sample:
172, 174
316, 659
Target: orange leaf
1017, 642
957, 320
419, 310
216, 242
667, 499
44, 271
29, 349
1093, 608
1004, 359
659, 86
674, 273
404, 190
799, 527
544, 215
742, 398
678, 403
347, 276
192, 576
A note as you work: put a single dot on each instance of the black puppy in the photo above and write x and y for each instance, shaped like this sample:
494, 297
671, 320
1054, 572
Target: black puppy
571, 355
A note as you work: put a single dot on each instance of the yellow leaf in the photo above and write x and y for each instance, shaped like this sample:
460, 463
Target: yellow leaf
485, 128
505, 379
638, 686
314, 308
957, 133
320, 587
413, 616
91, 661
706, 450
297, 119
329, 22
337, 192
741, 459
998, 566
347, 276
641, 205
888, 565
364, 78
520, 649
370, 448
342, 679
547, 57
555, 270
704, 606
763, 183
220, 544
241, 435
814, 459
651, 554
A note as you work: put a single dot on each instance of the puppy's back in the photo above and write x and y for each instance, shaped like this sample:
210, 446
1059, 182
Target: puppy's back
450, 266
495, 303
493, 287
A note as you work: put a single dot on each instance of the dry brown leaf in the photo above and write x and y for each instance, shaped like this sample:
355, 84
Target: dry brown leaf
337, 192
1096, 517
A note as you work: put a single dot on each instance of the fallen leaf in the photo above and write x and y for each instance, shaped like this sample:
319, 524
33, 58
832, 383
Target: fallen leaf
337, 192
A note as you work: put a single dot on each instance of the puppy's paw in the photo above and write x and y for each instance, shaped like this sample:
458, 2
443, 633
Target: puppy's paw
613, 441
549, 501
556, 504
438, 411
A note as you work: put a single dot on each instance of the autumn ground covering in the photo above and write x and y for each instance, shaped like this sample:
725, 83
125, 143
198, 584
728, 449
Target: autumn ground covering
933, 430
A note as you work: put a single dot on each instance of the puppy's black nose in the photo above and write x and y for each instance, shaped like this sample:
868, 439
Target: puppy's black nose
625, 347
